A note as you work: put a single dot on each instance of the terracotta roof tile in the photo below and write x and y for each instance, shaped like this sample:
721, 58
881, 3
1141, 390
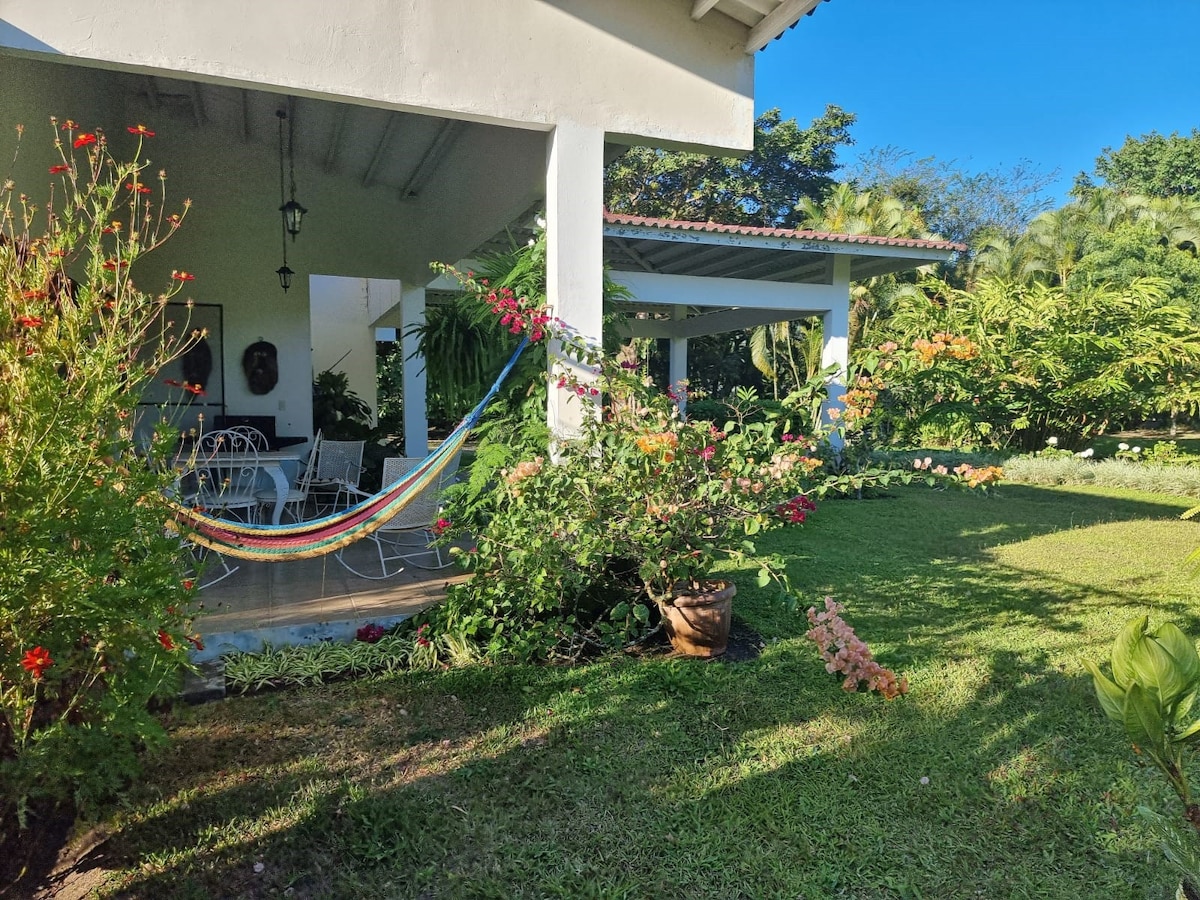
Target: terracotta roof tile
793, 234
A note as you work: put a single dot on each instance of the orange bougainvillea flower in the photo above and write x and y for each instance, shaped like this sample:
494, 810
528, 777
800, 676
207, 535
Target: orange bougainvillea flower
61, 167
37, 661
140, 130
183, 276
84, 139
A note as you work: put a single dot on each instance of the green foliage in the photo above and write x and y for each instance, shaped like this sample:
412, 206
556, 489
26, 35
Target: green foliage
959, 205
1154, 686
580, 553
1139, 250
1021, 363
93, 595
760, 188
1153, 164
326, 661
339, 413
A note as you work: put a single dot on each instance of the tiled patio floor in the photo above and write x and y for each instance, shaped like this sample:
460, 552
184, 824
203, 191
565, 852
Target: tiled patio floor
308, 600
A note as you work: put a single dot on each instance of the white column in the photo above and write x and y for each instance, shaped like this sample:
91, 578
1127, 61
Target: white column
678, 364
574, 259
836, 334
416, 421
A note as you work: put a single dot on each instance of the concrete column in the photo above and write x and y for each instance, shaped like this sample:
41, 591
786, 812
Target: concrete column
677, 371
416, 420
836, 334
574, 259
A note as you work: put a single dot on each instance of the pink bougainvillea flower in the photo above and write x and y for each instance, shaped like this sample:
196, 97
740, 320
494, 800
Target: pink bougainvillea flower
140, 130
183, 276
166, 640
61, 167
369, 634
37, 661
85, 139
29, 321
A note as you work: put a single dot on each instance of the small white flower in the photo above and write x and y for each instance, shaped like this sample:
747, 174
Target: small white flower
1122, 447
1052, 441
1136, 450
258, 868
541, 221
924, 779
1085, 453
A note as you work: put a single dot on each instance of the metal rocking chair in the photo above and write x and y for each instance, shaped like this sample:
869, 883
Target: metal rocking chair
413, 522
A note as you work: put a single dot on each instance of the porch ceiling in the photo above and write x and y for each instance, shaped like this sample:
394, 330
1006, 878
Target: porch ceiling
400, 151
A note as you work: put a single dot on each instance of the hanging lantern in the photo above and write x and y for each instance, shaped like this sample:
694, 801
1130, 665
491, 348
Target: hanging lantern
293, 214
285, 276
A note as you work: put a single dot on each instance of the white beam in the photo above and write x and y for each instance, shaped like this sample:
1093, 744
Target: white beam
689, 290
835, 327
380, 150
678, 363
574, 259
787, 14
416, 420
711, 323
433, 157
701, 8
335, 139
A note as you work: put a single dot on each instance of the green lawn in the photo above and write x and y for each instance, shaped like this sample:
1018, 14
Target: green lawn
761, 779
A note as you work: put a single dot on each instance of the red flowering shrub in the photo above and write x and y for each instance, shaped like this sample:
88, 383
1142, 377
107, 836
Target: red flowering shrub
93, 593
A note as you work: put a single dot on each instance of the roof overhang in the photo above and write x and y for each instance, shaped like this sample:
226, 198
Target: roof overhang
766, 19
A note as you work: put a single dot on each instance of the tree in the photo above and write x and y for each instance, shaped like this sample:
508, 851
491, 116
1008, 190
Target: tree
959, 205
760, 188
1153, 165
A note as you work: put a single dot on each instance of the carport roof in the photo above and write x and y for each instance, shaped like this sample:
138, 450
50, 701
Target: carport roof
671, 247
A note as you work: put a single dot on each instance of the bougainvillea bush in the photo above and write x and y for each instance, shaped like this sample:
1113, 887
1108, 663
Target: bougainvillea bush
94, 593
580, 553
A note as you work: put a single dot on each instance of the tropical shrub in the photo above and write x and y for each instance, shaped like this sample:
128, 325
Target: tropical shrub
94, 598
581, 552
1014, 364
1151, 695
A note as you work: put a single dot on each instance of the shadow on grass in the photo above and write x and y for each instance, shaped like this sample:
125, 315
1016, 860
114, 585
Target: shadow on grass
665, 777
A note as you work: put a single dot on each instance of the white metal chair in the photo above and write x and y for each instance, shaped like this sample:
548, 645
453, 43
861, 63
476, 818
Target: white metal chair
414, 521
297, 496
339, 467
256, 437
226, 468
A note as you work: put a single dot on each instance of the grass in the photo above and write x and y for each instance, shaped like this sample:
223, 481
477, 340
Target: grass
657, 777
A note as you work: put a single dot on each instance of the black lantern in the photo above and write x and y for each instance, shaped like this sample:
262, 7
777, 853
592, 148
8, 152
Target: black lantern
293, 214
285, 276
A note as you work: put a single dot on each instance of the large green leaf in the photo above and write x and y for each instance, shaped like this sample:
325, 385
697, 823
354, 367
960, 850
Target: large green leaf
1182, 650
1123, 647
1111, 697
1144, 719
1156, 671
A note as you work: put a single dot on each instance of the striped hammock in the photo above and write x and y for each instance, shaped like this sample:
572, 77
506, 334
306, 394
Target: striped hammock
316, 537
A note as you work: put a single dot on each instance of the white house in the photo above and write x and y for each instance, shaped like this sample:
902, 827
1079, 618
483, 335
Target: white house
420, 129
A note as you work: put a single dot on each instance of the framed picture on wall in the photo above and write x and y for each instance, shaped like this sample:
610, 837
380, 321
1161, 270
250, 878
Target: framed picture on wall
202, 367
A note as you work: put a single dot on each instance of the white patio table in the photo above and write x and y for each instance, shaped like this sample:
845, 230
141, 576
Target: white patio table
269, 462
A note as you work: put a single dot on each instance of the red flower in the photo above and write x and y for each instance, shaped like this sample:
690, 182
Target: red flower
183, 276
140, 130
140, 188
69, 125
29, 321
61, 167
165, 640
188, 584
113, 264
84, 139
196, 389
195, 641
34, 295
422, 641
440, 526
37, 661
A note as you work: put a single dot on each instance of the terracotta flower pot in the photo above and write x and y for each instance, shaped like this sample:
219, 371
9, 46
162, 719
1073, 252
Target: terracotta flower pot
698, 622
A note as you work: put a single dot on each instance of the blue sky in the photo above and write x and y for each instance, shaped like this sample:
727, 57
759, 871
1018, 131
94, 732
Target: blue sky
989, 83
